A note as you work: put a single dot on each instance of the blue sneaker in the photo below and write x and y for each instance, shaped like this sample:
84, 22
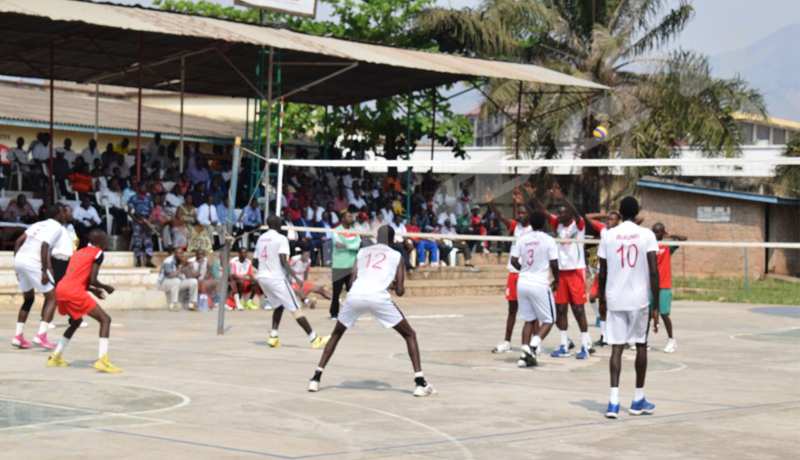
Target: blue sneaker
641, 407
612, 411
560, 353
583, 354
597, 322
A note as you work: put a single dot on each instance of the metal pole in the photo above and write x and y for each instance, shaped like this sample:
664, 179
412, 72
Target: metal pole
325, 131
183, 89
52, 107
279, 185
433, 123
516, 148
247, 122
226, 249
96, 109
408, 155
268, 153
746, 277
139, 115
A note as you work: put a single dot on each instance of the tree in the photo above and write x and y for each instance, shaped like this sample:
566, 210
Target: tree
656, 105
787, 177
382, 123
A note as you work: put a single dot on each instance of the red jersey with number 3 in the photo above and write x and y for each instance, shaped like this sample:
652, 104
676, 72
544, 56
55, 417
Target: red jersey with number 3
377, 267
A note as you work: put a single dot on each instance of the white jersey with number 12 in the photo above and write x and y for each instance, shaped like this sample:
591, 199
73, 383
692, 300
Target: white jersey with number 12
377, 267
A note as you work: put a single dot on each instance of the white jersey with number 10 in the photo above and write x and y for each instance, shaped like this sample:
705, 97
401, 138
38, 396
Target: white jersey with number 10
377, 267
625, 249
269, 248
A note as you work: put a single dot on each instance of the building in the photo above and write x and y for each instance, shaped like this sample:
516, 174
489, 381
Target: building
706, 214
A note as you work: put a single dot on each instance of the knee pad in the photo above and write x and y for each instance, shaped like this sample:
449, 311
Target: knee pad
28, 304
298, 314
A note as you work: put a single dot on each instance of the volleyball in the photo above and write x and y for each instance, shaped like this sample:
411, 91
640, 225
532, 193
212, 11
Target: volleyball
600, 133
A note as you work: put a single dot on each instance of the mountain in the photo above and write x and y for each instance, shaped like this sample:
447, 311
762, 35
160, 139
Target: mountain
771, 65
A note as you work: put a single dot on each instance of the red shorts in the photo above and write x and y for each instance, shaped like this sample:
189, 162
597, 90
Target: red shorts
571, 287
511, 286
594, 289
307, 287
74, 303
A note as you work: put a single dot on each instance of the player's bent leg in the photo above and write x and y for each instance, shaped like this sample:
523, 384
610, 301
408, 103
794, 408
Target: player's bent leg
103, 364
327, 353
19, 340
48, 312
422, 388
55, 360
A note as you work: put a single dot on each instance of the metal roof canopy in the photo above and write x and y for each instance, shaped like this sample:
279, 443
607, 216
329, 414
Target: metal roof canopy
649, 183
101, 42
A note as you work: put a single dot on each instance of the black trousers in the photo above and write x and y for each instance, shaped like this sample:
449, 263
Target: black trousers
59, 268
341, 278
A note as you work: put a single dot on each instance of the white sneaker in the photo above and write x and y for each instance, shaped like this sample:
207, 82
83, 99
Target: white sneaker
313, 386
239, 307
672, 345
424, 391
502, 347
84, 323
51, 326
174, 307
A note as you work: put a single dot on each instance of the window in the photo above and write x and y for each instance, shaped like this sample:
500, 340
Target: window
778, 136
762, 133
747, 133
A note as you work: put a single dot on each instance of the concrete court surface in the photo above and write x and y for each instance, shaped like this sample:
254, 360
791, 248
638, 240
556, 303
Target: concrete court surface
731, 391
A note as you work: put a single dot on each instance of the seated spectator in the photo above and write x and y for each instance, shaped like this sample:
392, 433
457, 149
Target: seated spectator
356, 197
397, 204
199, 193
109, 157
160, 220
429, 184
124, 170
391, 182
324, 240
465, 197
20, 211
100, 176
243, 282
183, 184
61, 171
217, 190
160, 160
294, 210
208, 222
222, 211
20, 157
476, 226
400, 244
123, 147
117, 174
178, 278
314, 211
185, 219
448, 229
174, 197
251, 220
388, 214
446, 214
85, 219
206, 283
69, 154
198, 173
422, 245
334, 214
116, 203
91, 153
340, 202
82, 181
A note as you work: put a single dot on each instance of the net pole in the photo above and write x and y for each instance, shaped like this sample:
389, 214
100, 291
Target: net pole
279, 184
226, 249
746, 276
408, 155
268, 151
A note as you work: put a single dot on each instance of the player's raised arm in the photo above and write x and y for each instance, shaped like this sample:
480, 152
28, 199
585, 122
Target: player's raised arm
538, 205
489, 196
399, 279
593, 217
559, 195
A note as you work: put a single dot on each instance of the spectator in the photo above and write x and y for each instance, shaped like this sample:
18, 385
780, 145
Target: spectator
184, 183
116, 207
153, 147
100, 176
218, 190
61, 171
242, 280
422, 245
207, 218
314, 212
109, 157
345, 248
305, 239
222, 211
20, 157
207, 283
388, 214
294, 210
117, 174
492, 225
41, 150
69, 154
465, 197
429, 184
124, 170
251, 220
178, 278
85, 219
140, 206
81, 180
160, 220
123, 148
20, 211
199, 193
333, 214
198, 173
476, 225
91, 153
448, 229
357, 198
391, 182
340, 202
174, 197
446, 214
185, 218
399, 243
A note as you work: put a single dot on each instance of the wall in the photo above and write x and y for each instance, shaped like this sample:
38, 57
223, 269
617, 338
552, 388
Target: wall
678, 212
784, 226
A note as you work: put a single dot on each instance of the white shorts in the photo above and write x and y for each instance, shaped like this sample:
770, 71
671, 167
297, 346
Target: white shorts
380, 306
279, 292
624, 327
535, 302
30, 277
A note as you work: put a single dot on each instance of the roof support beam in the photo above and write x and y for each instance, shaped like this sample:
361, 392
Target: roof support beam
320, 80
134, 67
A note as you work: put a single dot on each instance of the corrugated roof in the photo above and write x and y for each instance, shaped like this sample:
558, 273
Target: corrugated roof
715, 192
92, 40
772, 121
77, 109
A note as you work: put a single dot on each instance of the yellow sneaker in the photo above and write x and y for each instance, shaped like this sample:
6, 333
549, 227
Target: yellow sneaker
249, 305
104, 365
274, 342
320, 341
56, 361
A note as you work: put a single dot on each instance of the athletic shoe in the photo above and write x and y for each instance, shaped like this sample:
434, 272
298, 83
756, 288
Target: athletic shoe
228, 307
591, 350
641, 407
333, 318
560, 353
426, 390
502, 347
600, 343
571, 345
239, 307
526, 360
312, 304
51, 326
192, 307
42, 341
597, 322
583, 354
19, 341
313, 385
84, 324
612, 411
56, 361
274, 342
104, 365
319, 341
250, 305
174, 307
672, 345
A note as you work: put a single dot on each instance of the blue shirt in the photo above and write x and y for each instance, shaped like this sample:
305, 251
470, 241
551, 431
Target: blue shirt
141, 205
251, 216
222, 214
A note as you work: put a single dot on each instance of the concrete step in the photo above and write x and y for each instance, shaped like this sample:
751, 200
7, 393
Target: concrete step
447, 288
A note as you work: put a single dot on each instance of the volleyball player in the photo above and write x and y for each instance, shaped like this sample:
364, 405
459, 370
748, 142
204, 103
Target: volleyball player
569, 224
377, 267
301, 264
535, 255
593, 219
272, 257
517, 228
32, 266
628, 270
75, 302
665, 275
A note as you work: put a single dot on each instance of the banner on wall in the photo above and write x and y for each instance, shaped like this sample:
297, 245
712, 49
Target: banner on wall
305, 8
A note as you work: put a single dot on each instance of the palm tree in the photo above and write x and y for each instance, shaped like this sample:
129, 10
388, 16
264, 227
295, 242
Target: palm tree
658, 103
787, 177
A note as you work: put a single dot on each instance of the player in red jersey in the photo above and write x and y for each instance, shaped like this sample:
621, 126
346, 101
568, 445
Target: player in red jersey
613, 219
665, 275
517, 228
75, 302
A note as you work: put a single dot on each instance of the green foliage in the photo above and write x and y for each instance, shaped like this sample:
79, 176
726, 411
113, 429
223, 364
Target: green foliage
384, 122
764, 292
787, 177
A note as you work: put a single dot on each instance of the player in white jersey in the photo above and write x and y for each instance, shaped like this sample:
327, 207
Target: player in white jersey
301, 264
569, 224
32, 265
535, 255
272, 257
613, 219
518, 228
377, 268
628, 276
